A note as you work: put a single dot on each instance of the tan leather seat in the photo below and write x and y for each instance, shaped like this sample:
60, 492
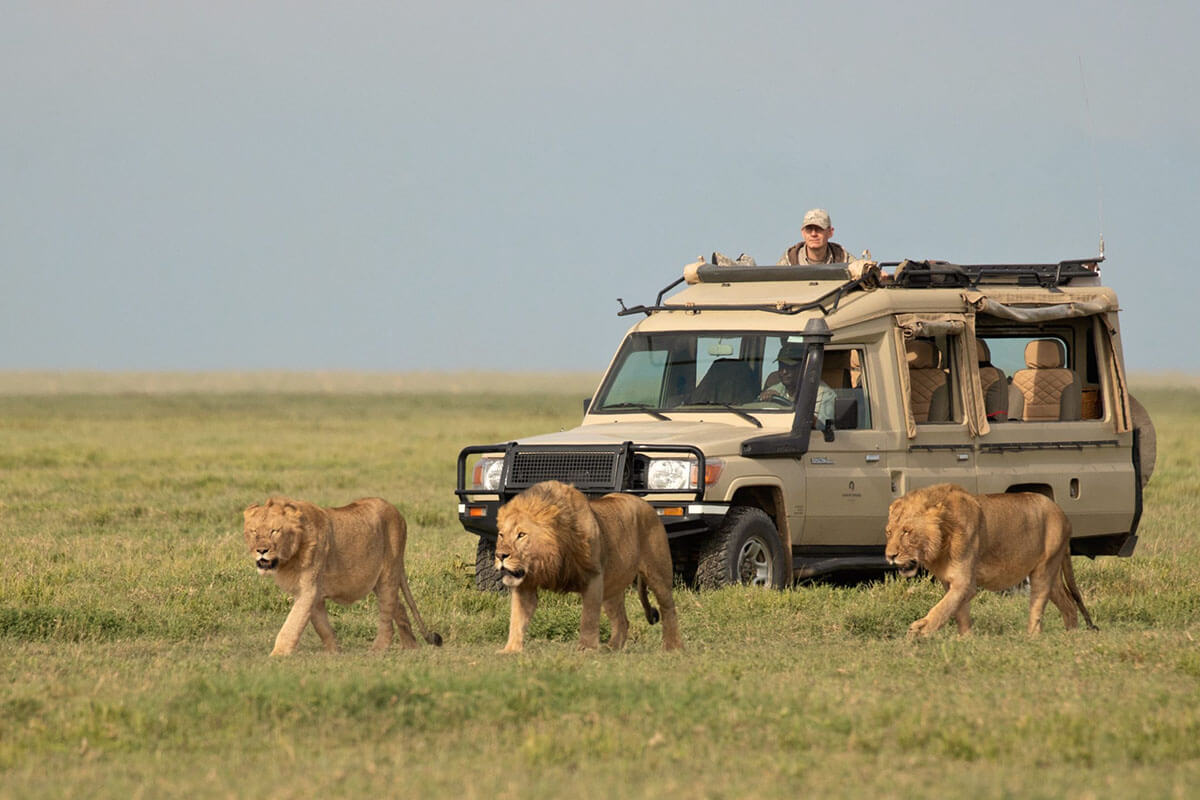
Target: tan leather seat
995, 385
930, 396
1046, 389
835, 369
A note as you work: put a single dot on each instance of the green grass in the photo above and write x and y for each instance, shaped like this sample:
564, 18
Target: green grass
134, 635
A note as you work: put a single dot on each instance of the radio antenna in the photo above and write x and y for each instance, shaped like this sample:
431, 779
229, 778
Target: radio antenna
1089, 128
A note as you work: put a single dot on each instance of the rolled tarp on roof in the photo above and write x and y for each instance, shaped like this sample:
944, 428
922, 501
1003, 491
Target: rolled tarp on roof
994, 305
928, 325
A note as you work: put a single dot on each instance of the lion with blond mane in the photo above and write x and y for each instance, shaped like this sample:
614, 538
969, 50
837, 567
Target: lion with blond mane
552, 537
990, 541
340, 554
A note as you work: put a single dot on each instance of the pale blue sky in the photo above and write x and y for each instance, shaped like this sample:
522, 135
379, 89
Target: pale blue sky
393, 186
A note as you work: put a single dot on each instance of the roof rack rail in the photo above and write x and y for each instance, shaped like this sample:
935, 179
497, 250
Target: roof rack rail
941, 274
827, 302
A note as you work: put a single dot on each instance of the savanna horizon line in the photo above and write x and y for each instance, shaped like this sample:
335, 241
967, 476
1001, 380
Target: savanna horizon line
316, 381
354, 381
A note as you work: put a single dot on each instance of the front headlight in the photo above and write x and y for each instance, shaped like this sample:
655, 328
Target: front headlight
487, 473
669, 473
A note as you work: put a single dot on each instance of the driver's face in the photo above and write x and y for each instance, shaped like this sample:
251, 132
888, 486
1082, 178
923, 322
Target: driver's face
789, 374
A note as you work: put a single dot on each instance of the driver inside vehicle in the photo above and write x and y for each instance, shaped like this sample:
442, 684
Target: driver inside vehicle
784, 384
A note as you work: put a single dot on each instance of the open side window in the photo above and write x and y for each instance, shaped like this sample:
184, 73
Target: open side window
930, 381
843, 397
1052, 372
936, 382
1079, 336
939, 384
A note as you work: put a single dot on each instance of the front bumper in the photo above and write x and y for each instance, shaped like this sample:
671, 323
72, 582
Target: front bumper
593, 469
680, 519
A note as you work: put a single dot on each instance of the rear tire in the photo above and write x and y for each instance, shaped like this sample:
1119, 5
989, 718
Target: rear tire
746, 549
487, 579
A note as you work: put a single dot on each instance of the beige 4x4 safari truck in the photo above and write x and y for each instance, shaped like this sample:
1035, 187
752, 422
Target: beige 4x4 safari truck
1000, 378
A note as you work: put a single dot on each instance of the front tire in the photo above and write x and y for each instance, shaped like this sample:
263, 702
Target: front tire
747, 550
487, 579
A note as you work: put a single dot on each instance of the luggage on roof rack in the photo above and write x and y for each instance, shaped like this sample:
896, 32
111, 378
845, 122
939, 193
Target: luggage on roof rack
941, 274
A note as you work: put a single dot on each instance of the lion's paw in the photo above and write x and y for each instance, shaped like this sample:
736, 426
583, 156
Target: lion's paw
918, 628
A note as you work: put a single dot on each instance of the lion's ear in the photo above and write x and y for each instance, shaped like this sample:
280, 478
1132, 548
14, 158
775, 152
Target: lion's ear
249, 508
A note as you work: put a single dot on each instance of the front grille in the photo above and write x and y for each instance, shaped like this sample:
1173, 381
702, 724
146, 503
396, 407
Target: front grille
593, 469
586, 470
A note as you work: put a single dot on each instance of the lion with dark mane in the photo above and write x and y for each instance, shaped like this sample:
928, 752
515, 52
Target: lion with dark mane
340, 554
992, 541
552, 537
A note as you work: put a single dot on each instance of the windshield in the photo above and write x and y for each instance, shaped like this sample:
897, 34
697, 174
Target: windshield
682, 371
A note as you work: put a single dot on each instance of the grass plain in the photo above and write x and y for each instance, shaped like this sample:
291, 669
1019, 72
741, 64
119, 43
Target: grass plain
134, 634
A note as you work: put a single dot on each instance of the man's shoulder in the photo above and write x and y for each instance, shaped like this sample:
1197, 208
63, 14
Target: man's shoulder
791, 256
840, 254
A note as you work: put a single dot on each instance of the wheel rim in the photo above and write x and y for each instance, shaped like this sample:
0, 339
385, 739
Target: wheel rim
754, 564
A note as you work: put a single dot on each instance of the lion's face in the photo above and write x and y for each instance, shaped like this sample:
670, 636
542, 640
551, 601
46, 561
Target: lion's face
273, 534
516, 536
529, 534
913, 534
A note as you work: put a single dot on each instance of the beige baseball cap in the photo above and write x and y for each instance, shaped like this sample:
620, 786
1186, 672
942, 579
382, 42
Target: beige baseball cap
818, 217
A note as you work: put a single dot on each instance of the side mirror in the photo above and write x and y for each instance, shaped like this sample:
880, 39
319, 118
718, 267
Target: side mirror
587, 403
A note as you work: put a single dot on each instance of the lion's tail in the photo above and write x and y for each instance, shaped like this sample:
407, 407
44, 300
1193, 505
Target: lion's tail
1068, 576
432, 637
651, 612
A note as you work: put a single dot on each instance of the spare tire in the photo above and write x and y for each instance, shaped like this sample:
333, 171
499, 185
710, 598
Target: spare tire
1147, 445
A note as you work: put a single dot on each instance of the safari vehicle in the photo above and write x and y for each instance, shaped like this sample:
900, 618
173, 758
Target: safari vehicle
1000, 378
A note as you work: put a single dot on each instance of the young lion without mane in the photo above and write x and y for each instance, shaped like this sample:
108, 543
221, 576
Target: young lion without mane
341, 554
552, 537
993, 541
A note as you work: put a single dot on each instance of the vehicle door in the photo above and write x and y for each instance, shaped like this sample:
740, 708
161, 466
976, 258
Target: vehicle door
847, 470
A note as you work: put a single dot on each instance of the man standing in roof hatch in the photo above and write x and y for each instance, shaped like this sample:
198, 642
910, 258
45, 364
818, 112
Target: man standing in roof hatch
816, 247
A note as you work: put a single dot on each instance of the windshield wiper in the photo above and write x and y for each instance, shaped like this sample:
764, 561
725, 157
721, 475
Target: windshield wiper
730, 407
640, 407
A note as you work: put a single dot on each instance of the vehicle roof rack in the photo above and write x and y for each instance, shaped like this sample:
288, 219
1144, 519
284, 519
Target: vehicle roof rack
941, 274
827, 302
908, 274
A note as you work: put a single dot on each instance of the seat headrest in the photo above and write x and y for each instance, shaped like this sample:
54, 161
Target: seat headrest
982, 354
922, 354
836, 359
1044, 354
